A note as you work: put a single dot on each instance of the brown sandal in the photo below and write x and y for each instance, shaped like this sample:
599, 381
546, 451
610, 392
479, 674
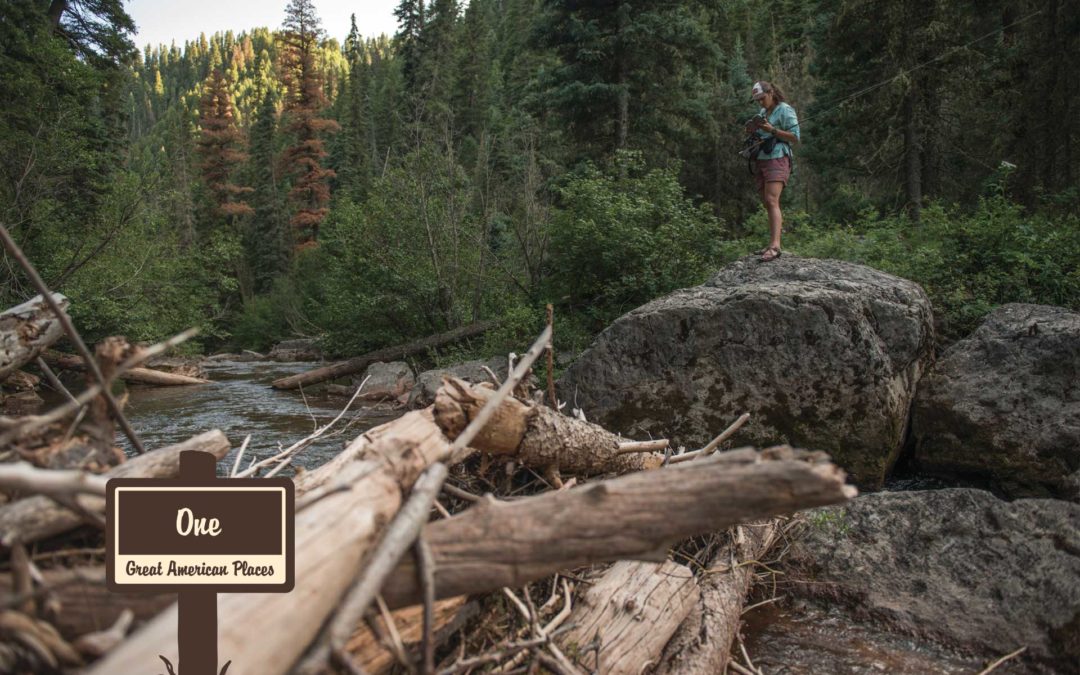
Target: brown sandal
771, 253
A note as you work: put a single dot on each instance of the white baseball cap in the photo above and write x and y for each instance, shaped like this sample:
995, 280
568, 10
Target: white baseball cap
758, 92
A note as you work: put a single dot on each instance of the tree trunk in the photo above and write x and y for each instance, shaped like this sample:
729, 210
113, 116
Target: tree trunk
359, 363
35, 518
498, 544
332, 537
368, 646
536, 435
912, 158
86, 604
132, 375
27, 329
703, 643
632, 611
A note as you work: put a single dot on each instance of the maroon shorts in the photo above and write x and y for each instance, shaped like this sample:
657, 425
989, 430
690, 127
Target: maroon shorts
772, 170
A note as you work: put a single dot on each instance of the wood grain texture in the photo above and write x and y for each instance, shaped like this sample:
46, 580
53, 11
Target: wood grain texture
27, 329
632, 611
496, 544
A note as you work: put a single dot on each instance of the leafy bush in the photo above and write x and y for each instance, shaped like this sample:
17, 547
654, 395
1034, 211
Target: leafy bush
624, 235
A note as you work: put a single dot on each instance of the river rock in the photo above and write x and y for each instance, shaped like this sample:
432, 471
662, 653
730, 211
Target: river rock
959, 566
305, 349
823, 354
386, 381
189, 366
1004, 404
429, 381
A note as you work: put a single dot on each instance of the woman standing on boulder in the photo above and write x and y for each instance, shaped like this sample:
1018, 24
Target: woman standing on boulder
778, 127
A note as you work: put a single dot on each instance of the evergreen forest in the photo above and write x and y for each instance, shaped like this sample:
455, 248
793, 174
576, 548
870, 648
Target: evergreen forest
494, 156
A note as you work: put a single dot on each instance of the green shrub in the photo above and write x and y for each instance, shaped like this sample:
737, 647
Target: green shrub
625, 235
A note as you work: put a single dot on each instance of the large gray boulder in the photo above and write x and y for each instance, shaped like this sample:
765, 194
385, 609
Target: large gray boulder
301, 349
959, 566
823, 354
1004, 404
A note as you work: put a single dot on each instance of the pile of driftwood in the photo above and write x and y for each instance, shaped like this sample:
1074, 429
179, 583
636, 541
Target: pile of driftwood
474, 535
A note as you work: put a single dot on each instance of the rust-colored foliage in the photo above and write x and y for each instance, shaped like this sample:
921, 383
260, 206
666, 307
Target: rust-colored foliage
221, 147
310, 192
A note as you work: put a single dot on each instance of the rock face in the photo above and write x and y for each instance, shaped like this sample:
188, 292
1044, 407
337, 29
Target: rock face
429, 381
959, 566
1004, 404
823, 354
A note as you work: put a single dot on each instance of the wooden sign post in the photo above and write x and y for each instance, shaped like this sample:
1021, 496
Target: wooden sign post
196, 536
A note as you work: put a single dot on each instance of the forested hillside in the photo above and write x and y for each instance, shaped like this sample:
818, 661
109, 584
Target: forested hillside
496, 155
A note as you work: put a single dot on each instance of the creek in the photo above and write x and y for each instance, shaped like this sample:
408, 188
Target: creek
239, 402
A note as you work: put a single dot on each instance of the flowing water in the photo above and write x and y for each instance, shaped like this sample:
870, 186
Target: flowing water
239, 401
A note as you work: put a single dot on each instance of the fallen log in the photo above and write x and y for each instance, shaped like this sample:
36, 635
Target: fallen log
27, 329
85, 604
136, 375
358, 363
38, 517
332, 537
702, 644
624, 620
369, 645
498, 544
536, 435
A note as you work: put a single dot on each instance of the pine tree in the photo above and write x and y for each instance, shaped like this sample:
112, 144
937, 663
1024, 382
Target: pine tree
410, 16
310, 192
221, 148
267, 243
352, 147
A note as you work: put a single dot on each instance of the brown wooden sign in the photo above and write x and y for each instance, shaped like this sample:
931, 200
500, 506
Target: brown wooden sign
198, 535
232, 535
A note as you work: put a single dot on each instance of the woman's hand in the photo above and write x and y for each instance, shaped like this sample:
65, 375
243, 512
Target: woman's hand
769, 128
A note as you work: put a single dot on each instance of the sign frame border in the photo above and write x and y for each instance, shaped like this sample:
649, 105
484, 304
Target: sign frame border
152, 589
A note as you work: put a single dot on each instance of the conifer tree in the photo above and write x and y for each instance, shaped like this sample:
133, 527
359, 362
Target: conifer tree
305, 101
267, 242
221, 148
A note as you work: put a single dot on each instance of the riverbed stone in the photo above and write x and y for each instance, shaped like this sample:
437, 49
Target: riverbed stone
823, 354
959, 566
303, 349
1003, 405
386, 380
429, 381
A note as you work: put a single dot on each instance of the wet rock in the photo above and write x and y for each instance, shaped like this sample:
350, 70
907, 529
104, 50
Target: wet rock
1004, 404
305, 349
823, 354
18, 394
429, 381
958, 566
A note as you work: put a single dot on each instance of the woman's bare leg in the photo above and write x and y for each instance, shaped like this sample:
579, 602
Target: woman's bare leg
770, 198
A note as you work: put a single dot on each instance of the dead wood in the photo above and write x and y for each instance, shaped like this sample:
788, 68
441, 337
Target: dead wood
333, 535
498, 544
703, 644
85, 604
27, 329
536, 435
629, 614
358, 363
148, 376
35, 518
367, 646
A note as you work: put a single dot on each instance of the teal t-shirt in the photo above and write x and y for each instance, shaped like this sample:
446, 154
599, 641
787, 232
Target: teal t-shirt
783, 118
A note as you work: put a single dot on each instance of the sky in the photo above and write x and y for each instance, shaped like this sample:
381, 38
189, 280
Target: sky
162, 21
